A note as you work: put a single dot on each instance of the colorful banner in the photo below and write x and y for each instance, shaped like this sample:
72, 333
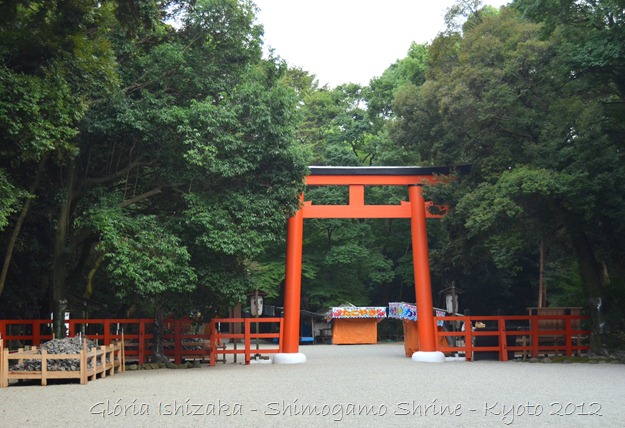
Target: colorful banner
402, 311
407, 311
358, 312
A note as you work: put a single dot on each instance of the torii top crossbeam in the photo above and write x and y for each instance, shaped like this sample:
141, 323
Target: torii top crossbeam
359, 177
380, 175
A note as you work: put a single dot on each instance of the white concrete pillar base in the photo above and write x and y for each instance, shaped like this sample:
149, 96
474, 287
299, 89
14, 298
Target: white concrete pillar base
289, 358
429, 357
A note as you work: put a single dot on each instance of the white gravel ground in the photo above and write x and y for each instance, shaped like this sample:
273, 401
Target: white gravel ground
339, 385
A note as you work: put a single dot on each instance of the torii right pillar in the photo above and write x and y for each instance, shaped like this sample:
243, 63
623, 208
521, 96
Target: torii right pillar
423, 288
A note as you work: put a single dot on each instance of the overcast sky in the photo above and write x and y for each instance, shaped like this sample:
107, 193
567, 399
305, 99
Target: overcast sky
343, 41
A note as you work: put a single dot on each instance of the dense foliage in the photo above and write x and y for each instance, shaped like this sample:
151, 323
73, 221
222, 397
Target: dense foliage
165, 153
151, 155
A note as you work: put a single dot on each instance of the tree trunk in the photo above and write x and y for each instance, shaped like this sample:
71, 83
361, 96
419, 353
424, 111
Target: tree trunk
591, 274
158, 348
542, 289
18, 225
92, 272
59, 268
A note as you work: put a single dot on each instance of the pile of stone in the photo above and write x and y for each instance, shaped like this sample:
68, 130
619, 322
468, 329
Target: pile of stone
187, 344
192, 343
72, 345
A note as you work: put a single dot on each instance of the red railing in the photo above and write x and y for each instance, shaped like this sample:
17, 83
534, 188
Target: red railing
234, 332
137, 335
526, 335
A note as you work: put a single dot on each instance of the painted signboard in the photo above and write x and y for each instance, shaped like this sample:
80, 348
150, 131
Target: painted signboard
407, 311
358, 312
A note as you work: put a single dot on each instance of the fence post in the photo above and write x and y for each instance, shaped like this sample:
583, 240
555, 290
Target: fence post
568, 335
534, 328
4, 376
212, 341
141, 341
83, 366
36, 333
503, 339
248, 342
468, 339
177, 342
280, 336
122, 350
1, 363
44, 367
71, 330
437, 346
107, 332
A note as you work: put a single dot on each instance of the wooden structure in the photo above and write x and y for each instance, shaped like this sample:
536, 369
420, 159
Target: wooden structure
99, 361
355, 325
355, 331
137, 334
356, 178
411, 337
407, 313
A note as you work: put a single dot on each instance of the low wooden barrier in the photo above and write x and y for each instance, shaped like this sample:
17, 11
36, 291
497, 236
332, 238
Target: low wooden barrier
101, 360
217, 338
138, 336
513, 336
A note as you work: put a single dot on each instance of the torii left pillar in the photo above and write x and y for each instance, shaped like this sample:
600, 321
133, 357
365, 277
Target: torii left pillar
423, 289
292, 294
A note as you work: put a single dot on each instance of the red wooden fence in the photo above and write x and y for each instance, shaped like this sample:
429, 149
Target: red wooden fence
179, 343
247, 335
522, 335
137, 334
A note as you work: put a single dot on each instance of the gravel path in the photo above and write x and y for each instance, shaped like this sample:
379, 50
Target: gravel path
339, 385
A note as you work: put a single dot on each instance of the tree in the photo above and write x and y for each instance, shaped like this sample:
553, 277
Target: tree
382, 90
182, 170
504, 101
49, 74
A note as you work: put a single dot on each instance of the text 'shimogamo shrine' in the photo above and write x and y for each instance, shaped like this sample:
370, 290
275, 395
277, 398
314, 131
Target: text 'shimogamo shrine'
415, 208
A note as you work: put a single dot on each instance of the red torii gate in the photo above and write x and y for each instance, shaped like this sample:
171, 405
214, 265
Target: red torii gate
416, 209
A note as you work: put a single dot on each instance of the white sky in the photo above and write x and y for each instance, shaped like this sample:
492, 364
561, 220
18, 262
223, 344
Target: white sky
342, 41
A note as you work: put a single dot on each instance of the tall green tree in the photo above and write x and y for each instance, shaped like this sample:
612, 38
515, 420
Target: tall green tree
54, 60
182, 170
507, 99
